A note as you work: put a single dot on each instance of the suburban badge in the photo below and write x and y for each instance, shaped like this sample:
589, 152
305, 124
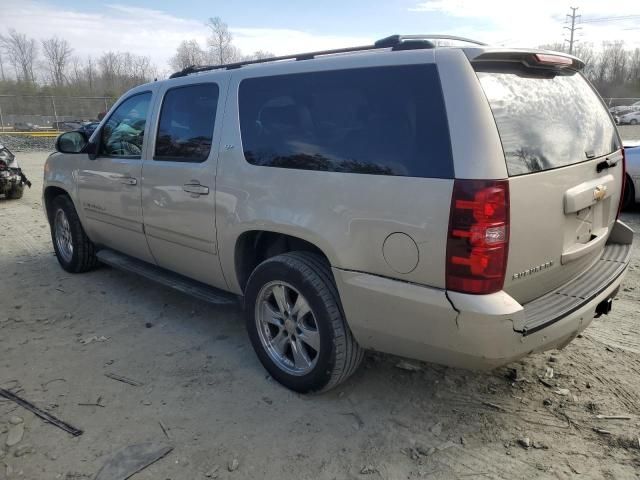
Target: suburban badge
532, 270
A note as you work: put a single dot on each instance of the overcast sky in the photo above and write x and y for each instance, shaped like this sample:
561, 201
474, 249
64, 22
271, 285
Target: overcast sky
155, 27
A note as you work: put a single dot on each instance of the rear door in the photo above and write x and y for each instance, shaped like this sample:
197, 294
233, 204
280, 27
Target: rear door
178, 188
564, 162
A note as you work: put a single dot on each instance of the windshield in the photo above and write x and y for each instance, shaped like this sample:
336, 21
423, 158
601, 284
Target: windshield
546, 119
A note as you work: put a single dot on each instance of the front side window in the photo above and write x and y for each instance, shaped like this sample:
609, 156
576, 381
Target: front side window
380, 120
123, 133
187, 119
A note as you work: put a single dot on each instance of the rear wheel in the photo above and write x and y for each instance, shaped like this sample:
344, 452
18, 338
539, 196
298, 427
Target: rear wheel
74, 250
16, 192
633, 121
296, 324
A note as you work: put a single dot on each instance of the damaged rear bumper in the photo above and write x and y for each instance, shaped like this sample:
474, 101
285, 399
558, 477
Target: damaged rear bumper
478, 331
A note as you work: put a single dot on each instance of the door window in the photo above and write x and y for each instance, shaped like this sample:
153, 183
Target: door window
123, 134
187, 119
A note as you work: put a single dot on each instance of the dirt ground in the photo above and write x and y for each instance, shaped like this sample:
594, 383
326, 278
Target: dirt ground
201, 382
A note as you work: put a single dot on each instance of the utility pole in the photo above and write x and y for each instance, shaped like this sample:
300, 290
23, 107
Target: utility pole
572, 29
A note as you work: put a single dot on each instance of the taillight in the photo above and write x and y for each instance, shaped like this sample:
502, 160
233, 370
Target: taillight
550, 59
478, 241
3, 165
624, 184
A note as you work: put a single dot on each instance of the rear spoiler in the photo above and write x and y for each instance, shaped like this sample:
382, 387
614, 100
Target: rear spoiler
527, 57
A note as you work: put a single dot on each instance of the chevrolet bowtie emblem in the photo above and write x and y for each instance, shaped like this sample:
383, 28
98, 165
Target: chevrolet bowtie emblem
599, 192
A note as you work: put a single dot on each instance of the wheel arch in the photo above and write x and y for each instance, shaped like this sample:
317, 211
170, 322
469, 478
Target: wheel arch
49, 194
255, 246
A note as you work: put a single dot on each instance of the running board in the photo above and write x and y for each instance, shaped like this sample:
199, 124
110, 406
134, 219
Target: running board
165, 277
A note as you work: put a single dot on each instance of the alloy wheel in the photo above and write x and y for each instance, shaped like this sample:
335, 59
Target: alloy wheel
64, 240
287, 328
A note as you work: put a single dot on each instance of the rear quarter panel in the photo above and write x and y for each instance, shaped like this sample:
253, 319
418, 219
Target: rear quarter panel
347, 216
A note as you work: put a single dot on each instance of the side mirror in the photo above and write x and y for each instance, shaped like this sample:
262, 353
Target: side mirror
71, 142
92, 150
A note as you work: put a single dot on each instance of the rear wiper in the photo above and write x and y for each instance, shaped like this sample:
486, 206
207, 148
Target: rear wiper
605, 164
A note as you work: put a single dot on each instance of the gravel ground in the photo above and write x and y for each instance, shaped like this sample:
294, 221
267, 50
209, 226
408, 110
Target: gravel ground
26, 143
202, 384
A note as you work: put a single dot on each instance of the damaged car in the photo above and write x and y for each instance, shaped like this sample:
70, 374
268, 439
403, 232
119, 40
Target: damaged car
12, 180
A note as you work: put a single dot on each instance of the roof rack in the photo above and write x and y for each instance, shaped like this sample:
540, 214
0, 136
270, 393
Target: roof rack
395, 42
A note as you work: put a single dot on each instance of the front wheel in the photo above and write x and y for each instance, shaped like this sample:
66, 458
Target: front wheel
74, 250
296, 324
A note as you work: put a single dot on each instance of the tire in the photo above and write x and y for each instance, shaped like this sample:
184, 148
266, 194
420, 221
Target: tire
633, 121
16, 192
306, 275
80, 257
629, 193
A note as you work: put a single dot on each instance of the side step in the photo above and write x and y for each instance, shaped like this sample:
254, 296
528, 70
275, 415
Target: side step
165, 277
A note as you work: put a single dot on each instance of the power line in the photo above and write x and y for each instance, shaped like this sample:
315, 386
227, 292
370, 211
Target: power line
610, 19
572, 29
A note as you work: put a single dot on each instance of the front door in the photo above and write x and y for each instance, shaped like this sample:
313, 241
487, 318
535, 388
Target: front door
109, 185
178, 187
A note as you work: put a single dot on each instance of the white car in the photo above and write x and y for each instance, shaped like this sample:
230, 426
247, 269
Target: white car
632, 185
631, 118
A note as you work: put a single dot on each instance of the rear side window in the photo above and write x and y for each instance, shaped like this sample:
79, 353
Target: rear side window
546, 119
187, 118
383, 120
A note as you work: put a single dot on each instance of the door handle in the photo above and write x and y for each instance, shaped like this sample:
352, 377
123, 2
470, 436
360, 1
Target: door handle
129, 180
195, 189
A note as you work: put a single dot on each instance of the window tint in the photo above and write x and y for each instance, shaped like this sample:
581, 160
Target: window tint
547, 120
123, 133
186, 123
383, 120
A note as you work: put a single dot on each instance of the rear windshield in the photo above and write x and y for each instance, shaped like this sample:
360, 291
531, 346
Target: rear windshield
547, 119
381, 121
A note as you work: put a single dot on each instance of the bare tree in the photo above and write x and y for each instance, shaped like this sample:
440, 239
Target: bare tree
556, 47
259, 55
110, 69
220, 42
617, 56
57, 54
187, 54
633, 74
4, 79
586, 53
21, 53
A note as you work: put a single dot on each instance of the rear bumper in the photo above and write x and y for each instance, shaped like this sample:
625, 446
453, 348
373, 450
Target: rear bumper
474, 331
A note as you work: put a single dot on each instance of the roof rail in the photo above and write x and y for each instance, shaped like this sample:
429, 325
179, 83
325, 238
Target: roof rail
395, 42
397, 39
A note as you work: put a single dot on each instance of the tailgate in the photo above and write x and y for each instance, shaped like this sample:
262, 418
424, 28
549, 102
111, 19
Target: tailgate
565, 172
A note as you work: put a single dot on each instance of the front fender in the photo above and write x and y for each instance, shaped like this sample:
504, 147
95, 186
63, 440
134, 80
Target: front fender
60, 174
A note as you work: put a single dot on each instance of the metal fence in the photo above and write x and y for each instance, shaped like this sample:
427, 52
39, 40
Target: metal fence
21, 112
621, 101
